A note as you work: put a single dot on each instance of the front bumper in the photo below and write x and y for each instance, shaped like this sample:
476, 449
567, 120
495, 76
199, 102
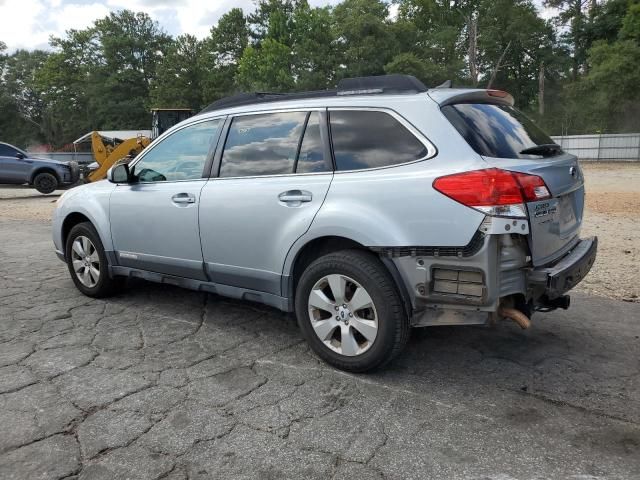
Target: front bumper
569, 271
71, 175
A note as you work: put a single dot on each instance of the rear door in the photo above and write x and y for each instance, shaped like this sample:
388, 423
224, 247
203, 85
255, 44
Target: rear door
274, 173
500, 134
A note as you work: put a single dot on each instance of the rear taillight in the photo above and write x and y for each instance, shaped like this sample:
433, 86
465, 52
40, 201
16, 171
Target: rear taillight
493, 191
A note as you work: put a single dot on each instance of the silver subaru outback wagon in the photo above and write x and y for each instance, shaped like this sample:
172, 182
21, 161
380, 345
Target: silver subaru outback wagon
367, 210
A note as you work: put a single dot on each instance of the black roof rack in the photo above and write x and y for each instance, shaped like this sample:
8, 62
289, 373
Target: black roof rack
348, 86
381, 84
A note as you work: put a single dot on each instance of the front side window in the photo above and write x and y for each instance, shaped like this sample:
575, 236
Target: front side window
262, 144
7, 151
370, 139
180, 156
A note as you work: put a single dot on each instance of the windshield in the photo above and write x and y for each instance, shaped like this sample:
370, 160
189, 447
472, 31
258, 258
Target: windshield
497, 130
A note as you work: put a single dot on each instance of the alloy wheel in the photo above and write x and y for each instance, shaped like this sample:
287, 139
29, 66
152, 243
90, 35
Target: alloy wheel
85, 261
343, 315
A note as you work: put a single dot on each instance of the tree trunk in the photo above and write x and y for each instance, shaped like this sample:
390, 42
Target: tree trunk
541, 90
473, 49
497, 67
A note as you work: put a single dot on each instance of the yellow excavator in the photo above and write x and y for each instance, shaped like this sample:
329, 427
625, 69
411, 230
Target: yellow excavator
107, 155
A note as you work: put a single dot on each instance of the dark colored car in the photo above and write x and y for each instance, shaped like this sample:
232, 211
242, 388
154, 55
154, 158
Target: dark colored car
46, 175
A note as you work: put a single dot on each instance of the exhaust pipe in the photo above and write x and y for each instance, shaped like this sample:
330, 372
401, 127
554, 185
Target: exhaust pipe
515, 315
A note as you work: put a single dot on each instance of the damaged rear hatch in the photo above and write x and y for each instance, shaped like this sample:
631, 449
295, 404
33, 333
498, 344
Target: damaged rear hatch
508, 140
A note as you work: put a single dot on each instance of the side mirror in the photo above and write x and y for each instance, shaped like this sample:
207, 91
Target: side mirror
119, 174
20, 155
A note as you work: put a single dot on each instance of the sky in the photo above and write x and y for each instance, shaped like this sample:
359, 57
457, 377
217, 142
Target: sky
28, 24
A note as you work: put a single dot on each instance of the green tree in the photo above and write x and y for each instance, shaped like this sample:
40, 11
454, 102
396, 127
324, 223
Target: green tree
179, 77
408, 63
266, 68
272, 19
364, 37
578, 15
100, 77
607, 99
437, 36
630, 29
131, 47
314, 52
512, 29
21, 101
221, 53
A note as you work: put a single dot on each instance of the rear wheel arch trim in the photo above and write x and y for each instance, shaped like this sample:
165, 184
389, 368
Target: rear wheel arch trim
342, 243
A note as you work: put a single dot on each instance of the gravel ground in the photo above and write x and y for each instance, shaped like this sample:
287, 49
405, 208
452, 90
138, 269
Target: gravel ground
160, 382
613, 213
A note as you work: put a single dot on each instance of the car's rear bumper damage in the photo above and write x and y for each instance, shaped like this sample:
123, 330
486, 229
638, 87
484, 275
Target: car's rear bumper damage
475, 289
568, 271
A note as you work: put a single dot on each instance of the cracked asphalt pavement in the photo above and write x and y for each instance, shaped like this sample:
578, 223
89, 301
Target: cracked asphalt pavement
160, 382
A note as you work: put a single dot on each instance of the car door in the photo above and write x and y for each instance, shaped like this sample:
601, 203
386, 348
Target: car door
12, 168
154, 220
272, 177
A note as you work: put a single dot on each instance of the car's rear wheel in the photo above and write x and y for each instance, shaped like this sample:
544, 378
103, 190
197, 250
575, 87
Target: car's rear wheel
45, 182
88, 263
350, 311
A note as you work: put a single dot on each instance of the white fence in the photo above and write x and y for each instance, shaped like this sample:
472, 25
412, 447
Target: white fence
624, 147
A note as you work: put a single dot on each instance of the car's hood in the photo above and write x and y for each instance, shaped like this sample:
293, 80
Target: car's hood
47, 160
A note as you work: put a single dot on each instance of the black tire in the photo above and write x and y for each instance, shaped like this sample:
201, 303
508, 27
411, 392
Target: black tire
105, 285
393, 324
45, 182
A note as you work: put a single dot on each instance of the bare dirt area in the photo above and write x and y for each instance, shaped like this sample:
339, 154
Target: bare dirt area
612, 213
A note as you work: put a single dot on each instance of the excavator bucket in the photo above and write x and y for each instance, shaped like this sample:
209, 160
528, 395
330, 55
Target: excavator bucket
108, 156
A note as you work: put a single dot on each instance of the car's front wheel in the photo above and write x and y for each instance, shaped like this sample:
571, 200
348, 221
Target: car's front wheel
87, 262
45, 182
350, 311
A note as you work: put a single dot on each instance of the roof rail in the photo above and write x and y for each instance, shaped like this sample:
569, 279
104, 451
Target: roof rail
381, 84
347, 86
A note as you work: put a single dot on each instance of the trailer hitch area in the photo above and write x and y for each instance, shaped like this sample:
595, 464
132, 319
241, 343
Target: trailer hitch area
545, 304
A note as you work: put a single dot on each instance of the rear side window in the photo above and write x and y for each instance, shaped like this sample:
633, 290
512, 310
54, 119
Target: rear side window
370, 139
496, 130
262, 144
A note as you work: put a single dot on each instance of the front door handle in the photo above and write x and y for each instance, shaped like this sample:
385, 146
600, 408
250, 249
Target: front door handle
295, 196
183, 198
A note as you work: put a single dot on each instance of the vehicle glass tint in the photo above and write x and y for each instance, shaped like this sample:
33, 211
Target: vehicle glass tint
180, 156
496, 130
7, 151
262, 144
369, 139
311, 156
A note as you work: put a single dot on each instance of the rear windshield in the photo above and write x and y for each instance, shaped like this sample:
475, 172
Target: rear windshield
496, 130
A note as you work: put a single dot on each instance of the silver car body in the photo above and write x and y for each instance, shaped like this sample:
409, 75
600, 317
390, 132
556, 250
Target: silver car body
237, 237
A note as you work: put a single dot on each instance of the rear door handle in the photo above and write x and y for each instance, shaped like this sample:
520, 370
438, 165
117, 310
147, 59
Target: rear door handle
183, 198
295, 196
